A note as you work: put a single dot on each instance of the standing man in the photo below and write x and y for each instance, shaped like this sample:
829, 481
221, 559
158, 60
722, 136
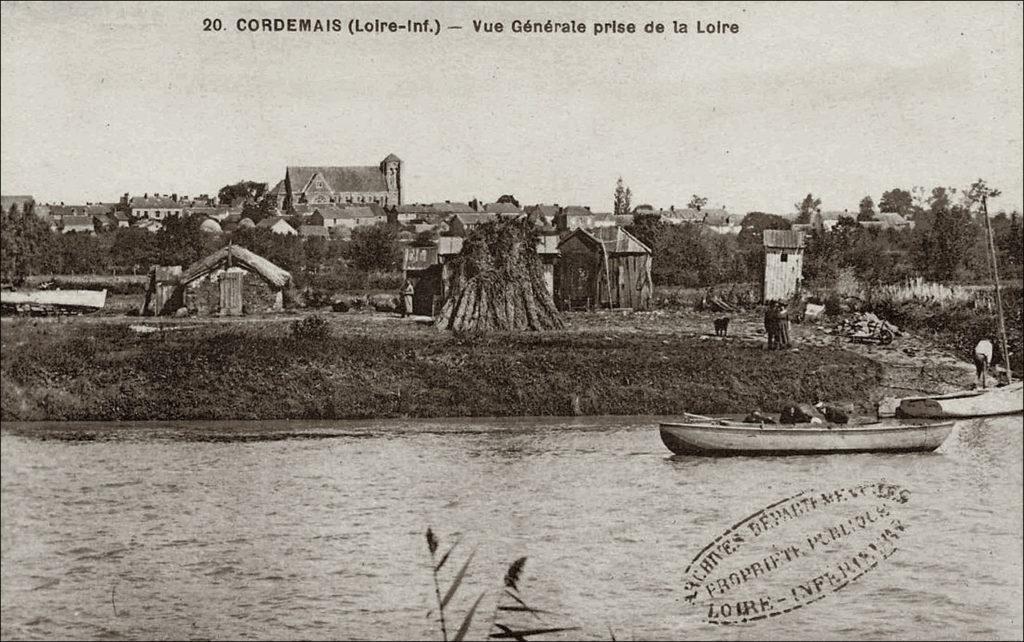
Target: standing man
407, 291
982, 358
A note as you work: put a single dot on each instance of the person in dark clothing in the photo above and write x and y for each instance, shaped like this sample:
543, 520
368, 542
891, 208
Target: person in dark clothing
782, 322
770, 324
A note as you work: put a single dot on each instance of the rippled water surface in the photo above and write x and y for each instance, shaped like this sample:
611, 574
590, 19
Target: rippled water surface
267, 530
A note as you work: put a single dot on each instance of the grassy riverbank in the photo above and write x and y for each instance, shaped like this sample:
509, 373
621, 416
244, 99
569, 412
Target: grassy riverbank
386, 367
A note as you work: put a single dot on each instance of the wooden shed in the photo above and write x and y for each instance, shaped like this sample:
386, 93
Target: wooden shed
783, 264
603, 268
234, 281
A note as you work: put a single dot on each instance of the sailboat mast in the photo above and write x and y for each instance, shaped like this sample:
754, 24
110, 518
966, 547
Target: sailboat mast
999, 296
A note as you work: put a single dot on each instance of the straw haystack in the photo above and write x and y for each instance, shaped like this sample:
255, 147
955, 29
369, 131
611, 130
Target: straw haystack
497, 281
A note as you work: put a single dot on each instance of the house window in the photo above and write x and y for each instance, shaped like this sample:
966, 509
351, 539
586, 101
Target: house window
785, 258
319, 184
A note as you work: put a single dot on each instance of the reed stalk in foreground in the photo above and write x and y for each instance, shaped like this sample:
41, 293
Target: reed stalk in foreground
510, 603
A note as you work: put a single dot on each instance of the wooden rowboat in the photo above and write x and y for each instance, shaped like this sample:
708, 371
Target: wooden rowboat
720, 438
1008, 400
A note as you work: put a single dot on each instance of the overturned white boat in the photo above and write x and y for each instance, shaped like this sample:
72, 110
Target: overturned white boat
52, 301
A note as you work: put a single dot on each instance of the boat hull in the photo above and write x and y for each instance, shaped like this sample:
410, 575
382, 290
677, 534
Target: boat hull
1008, 400
808, 439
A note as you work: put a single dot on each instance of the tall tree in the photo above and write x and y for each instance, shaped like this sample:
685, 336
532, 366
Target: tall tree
623, 196
247, 190
896, 200
806, 207
508, 198
697, 202
25, 241
867, 209
374, 248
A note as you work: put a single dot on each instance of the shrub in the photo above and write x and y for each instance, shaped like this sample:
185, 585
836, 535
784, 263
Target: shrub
312, 328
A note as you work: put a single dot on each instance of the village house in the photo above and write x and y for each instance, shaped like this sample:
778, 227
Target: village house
783, 266
889, 221
501, 208
148, 224
415, 212
461, 224
277, 225
228, 282
574, 217
80, 224
380, 184
545, 214
605, 267
155, 207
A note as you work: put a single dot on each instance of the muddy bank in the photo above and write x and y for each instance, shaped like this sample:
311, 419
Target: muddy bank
384, 367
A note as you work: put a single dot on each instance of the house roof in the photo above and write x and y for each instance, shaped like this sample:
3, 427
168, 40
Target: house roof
576, 210
415, 208
784, 239
77, 221
613, 240
453, 208
547, 211
313, 230
475, 218
391, 157
271, 221
719, 217
339, 179
239, 256
353, 212
501, 208
682, 215
151, 202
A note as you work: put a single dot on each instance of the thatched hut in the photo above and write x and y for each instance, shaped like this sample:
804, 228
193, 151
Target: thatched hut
234, 281
604, 267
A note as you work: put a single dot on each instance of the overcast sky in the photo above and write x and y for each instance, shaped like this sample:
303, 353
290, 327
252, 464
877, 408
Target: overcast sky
838, 100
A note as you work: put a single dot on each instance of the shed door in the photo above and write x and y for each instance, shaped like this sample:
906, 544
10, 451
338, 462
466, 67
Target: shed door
231, 293
577, 283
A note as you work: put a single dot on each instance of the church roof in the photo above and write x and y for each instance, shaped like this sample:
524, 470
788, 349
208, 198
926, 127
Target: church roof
339, 179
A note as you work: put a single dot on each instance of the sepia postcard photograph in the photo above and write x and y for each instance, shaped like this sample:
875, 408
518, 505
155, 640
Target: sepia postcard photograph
511, 321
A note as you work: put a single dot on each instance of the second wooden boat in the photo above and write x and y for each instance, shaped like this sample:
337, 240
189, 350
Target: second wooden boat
1007, 400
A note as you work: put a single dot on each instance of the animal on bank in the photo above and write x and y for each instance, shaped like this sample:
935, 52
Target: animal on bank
722, 327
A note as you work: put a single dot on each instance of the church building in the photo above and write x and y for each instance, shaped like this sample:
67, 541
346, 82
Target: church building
380, 184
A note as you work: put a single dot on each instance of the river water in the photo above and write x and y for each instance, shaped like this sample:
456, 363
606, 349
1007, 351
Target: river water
306, 530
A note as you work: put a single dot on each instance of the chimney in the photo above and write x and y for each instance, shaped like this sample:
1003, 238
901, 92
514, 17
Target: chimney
671, 208
586, 207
